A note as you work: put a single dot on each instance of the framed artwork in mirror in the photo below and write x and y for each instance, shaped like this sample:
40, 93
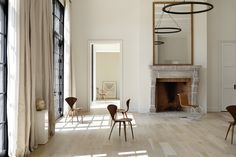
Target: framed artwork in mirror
172, 36
110, 88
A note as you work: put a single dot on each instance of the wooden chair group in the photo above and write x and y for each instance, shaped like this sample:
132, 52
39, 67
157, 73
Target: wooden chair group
113, 111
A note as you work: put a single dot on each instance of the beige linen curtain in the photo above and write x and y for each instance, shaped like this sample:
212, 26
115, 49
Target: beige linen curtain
67, 55
13, 73
69, 80
30, 73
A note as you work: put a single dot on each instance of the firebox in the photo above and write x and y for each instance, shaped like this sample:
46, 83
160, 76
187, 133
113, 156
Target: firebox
167, 90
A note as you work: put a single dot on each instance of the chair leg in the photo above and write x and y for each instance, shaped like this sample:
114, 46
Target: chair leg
232, 138
123, 114
131, 129
126, 114
82, 118
111, 130
77, 114
111, 122
72, 116
125, 131
67, 115
228, 131
119, 127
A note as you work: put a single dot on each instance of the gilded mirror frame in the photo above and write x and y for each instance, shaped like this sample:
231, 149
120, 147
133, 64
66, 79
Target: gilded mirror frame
192, 35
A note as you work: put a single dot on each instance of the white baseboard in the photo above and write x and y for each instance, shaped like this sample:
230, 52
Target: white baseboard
213, 109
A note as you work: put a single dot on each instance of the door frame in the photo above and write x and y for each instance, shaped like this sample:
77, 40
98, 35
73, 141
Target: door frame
220, 57
103, 41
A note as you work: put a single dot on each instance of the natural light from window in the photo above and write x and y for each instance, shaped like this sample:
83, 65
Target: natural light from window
90, 122
138, 153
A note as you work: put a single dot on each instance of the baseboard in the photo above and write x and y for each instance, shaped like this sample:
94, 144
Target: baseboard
213, 109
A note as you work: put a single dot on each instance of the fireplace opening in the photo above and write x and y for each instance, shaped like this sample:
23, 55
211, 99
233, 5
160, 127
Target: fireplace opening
167, 90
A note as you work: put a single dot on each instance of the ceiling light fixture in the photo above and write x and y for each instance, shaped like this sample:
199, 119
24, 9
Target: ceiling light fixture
158, 42
169, 8
167, 30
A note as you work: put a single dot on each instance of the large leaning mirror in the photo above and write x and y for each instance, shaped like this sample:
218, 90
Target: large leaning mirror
172, 36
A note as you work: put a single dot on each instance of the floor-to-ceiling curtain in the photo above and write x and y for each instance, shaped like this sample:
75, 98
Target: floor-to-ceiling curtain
30, 71
13, 73
67, 54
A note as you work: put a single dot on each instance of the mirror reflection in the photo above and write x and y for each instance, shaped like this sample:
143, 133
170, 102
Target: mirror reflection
172, 36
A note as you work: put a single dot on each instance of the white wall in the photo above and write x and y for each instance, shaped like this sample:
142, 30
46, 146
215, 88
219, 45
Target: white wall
130, 21
108, 69
221, 26
200, 56
106, 19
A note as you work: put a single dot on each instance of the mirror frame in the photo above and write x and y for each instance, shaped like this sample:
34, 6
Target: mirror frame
153, 32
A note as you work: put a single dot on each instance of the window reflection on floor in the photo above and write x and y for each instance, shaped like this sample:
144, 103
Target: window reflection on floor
95, 155
139, 153
90, 122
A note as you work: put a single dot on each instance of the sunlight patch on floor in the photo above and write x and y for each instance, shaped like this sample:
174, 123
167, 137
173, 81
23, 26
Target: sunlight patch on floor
104, 103
95, 155
90, 122
139, 153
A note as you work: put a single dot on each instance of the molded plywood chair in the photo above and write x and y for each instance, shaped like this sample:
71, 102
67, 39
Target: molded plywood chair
124, 111
232, 110
113, 110
184, 103
73, 111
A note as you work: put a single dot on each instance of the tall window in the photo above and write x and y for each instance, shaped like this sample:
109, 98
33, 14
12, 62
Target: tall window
58, 37
3, 78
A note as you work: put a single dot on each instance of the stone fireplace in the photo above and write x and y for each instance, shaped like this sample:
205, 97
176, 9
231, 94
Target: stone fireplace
168, 81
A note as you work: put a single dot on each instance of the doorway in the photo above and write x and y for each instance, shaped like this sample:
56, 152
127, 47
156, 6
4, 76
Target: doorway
105, 85
228, 74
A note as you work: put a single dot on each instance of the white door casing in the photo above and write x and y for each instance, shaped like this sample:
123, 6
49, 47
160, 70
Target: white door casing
228, 74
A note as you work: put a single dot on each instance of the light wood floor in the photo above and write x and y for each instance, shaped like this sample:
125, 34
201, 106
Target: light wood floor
156, 135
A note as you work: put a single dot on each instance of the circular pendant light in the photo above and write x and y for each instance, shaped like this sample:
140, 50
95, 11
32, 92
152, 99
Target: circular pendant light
167, 8
158, 42
167, 30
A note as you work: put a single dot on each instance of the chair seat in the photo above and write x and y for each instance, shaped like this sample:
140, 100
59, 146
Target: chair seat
194, 106
124, 120
77, 109
121, 110
232, 123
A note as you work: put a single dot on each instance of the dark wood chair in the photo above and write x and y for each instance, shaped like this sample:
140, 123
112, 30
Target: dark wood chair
124, 111
73, 111
232, 110
184, 103
113, 110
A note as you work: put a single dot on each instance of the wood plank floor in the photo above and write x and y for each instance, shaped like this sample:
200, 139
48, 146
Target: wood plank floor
156, 135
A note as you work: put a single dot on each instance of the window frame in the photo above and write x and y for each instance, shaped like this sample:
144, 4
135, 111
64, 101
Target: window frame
3, 65
58, 8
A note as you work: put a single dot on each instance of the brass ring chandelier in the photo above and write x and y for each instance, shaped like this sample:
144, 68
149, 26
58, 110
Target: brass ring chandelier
166, 30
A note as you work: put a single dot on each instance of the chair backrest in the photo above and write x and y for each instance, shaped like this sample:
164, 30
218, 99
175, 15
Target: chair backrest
232, 110
127, 104
71, 101
112, 110
183, 99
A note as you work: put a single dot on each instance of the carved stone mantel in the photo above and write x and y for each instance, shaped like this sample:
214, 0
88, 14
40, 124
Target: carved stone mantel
175, 72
